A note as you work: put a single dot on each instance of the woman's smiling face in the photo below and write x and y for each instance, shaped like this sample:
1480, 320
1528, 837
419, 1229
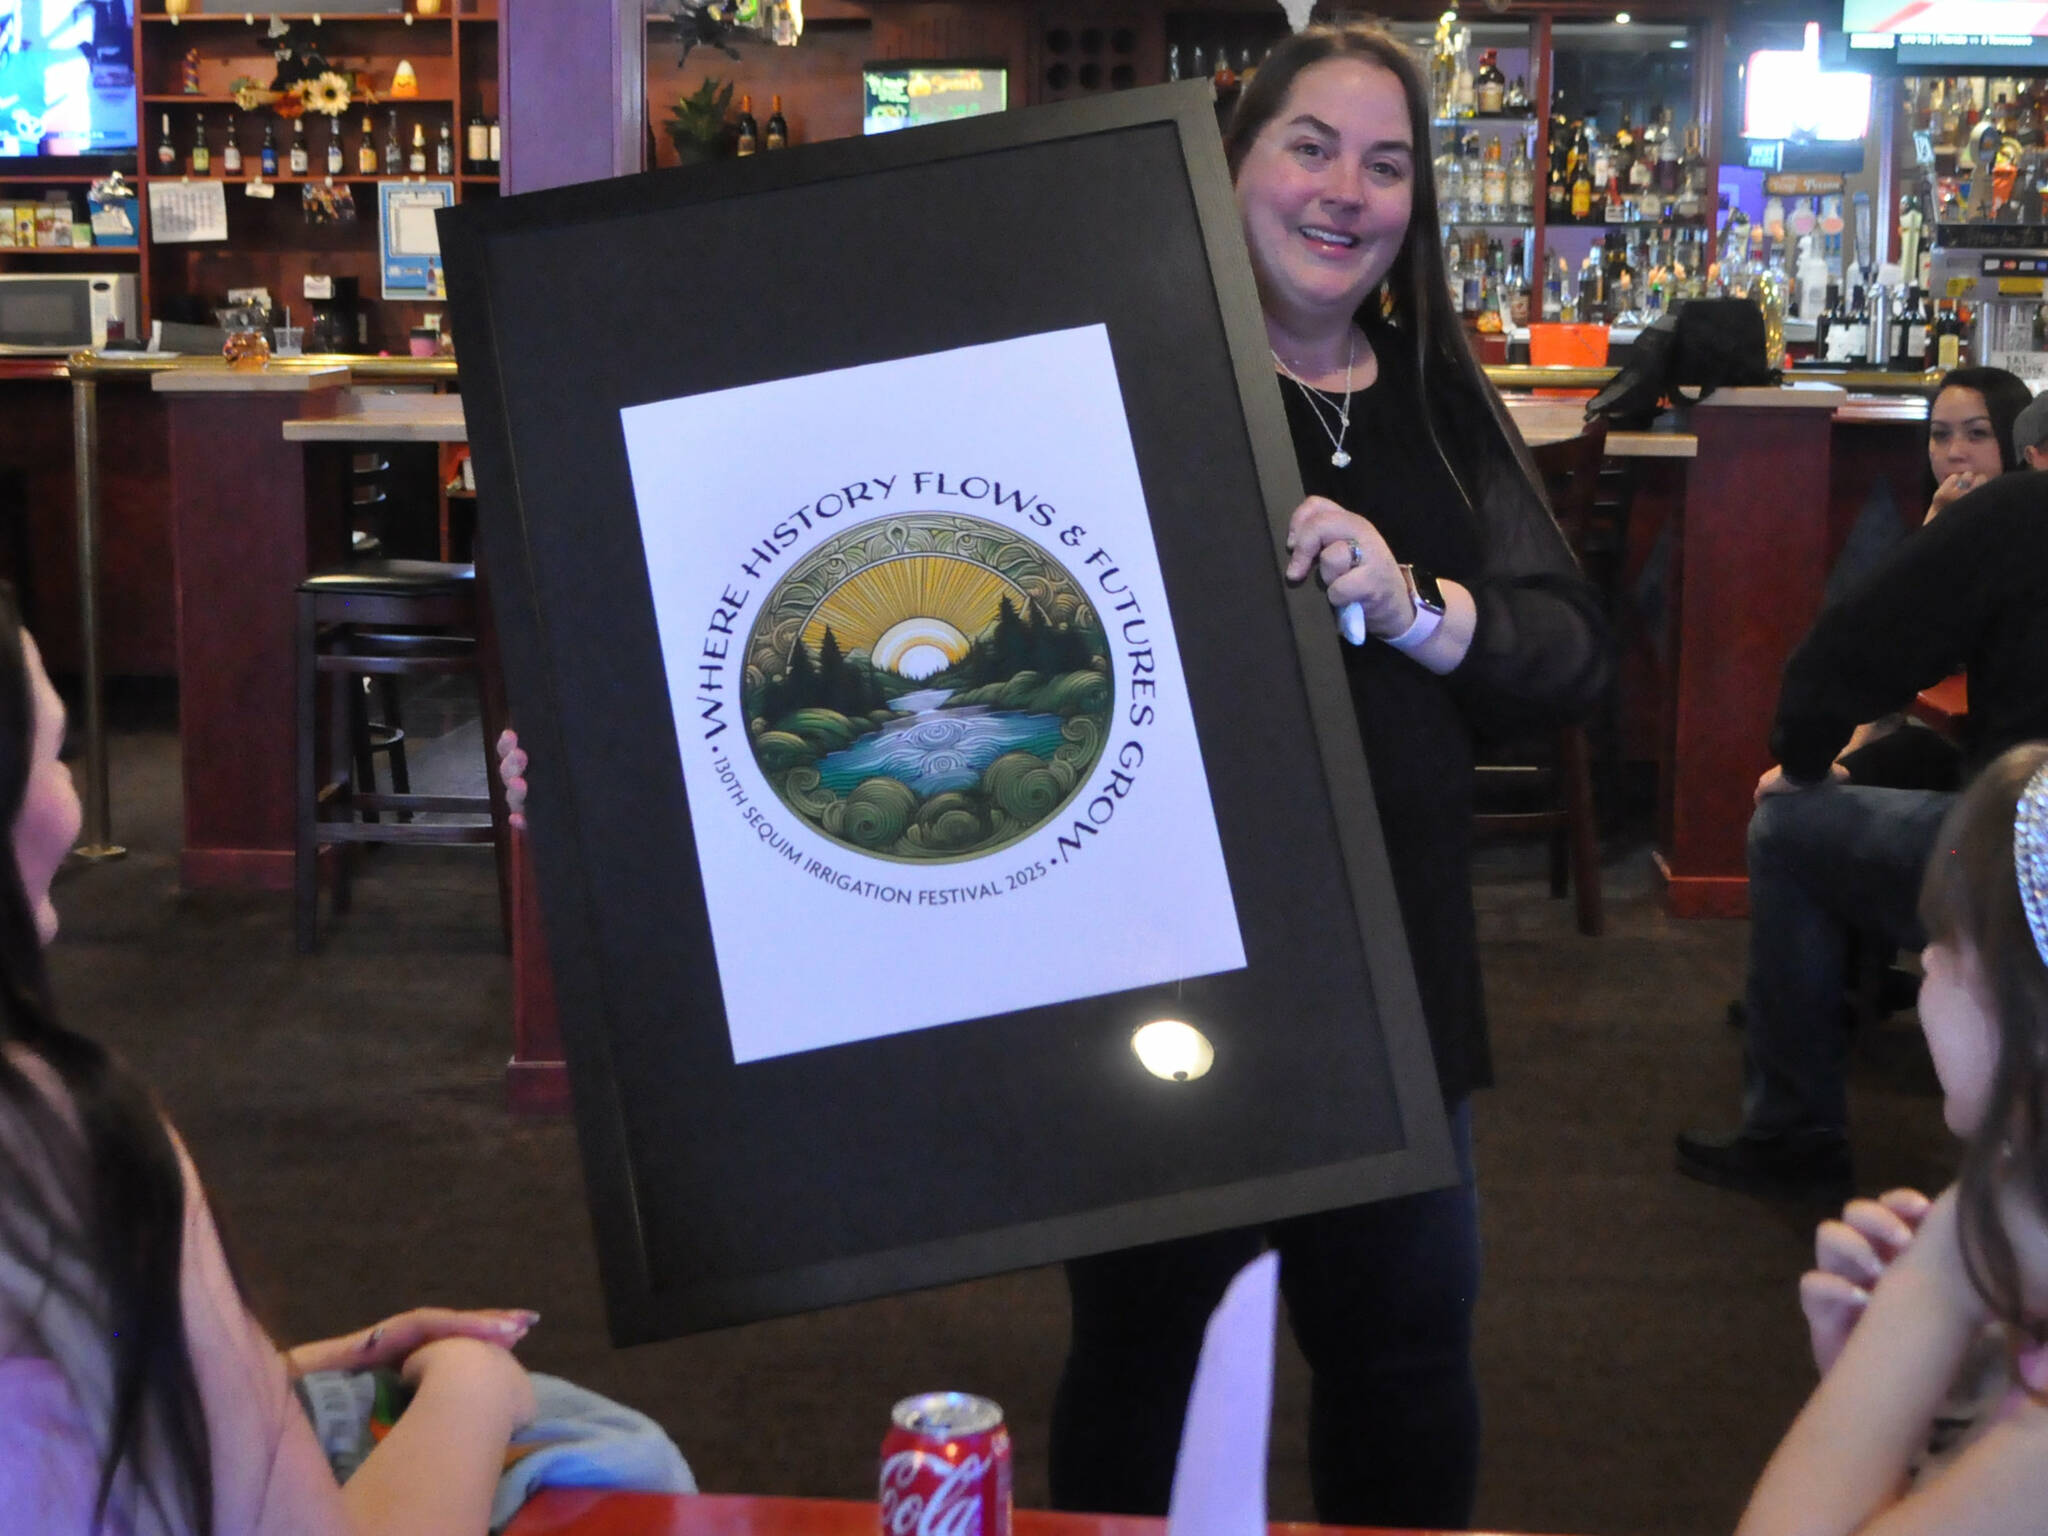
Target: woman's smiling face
1326, 190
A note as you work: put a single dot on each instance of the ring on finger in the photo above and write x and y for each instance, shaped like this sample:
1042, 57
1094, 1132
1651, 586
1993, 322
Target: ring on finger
1357, 554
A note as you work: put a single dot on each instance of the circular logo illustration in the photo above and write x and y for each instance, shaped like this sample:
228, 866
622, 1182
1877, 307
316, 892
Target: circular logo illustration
927, 688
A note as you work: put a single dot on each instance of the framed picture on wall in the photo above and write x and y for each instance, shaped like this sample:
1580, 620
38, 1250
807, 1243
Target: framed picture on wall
956, 848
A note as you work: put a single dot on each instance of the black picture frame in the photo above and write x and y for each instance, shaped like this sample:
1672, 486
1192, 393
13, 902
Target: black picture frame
722, 1194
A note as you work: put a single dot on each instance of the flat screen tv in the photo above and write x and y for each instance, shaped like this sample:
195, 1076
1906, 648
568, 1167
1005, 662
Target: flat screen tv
67, 78
1946, 34
901, 93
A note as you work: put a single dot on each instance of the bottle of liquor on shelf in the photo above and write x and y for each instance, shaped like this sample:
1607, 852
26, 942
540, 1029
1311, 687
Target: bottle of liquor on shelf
1516, 287
1450, 180
266, 155
202, 155
1669, 176
1493, 182
394, 152
301, 159
1910, 329
1521, 185
366, 149
1592, 287
492, 138
231, 152
1582, 192
444, 151
166, 149
1613, 206
1454, 271
416, 162
1518, 95
1601, 151
337, 162
1554, 282
776, 134
1948, 336
1489, 85
1692, 177
747, 133
476, 145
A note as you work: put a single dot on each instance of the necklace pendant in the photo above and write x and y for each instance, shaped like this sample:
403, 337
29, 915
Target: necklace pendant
1340, 458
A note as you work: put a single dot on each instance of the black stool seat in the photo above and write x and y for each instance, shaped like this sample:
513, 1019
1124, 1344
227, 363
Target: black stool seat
393, 578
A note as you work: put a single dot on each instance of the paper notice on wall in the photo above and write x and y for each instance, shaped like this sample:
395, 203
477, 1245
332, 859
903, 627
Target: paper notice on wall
185, 212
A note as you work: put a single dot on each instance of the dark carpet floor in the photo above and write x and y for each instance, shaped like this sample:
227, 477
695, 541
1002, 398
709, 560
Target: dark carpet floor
1639, 1343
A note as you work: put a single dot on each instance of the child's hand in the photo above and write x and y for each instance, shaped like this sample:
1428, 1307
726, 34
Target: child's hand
395, 1339
1850, 1255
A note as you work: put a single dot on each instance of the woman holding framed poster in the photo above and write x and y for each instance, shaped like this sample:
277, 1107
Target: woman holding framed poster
1467, 615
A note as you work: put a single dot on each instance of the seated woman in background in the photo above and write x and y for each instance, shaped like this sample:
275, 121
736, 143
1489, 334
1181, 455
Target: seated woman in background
1972, 426
138, 1397
1928, 1318
1970, 432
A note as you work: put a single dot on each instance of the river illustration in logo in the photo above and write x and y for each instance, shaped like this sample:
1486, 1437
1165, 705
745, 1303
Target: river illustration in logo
927, 688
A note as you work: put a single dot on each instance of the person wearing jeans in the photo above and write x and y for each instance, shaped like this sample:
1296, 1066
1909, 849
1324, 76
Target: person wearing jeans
1830, 858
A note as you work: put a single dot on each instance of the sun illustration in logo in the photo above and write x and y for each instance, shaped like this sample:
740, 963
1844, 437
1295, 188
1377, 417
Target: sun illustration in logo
927, 687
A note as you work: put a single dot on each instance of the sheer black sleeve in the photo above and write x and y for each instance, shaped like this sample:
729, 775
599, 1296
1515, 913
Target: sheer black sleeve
1541, 653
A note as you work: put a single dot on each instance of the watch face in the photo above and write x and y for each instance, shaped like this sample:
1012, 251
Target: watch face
1427, 593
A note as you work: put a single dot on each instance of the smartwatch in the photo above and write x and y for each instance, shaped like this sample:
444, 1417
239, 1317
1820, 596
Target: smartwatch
1428, 600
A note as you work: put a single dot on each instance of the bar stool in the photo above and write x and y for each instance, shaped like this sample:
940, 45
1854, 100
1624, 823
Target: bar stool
1571, 474
385, 619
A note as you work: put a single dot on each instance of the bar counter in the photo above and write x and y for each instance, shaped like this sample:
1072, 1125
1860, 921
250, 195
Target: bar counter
210, 517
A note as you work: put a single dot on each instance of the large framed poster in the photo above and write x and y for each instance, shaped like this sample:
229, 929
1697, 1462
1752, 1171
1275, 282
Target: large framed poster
885, 540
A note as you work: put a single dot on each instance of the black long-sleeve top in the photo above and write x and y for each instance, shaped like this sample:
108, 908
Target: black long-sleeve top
1540, 653
1968, 591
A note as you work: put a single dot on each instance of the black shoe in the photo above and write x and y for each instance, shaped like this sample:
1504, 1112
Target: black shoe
1803, 1165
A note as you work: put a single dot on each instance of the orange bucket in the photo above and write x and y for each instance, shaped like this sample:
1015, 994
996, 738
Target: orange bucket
1571, 346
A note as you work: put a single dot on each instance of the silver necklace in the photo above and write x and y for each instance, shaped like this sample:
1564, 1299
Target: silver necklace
1339, 455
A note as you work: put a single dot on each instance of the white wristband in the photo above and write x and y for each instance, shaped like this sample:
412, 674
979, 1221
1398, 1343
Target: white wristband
1417, 634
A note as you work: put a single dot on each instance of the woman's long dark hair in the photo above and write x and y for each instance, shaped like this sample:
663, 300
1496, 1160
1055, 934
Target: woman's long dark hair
113, 1206
2005, 396
1459, 403
1970, 901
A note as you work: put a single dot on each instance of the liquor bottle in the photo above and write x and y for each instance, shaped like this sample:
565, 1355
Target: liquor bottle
416, 162
776, 135
301, 161
1622, 152
1602, 151
1914, 323
1948, 337
747, 133
202, 157
336, 162
476, 145
1592, 287
266, 156
1692, 178
1557, 197
1518, 96
1521, 185
493, 139
1493, 182
444, 151
1489, 85
1613, 206
231, 153
366, 149
1582, 192
166, 149
1450, 180
1454, 271
1516, 287
394, 156
1669, 176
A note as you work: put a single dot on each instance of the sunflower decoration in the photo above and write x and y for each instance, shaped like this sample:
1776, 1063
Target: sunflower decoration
249, 95
328, 93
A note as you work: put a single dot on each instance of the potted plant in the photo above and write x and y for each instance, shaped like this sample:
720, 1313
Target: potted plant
697, 124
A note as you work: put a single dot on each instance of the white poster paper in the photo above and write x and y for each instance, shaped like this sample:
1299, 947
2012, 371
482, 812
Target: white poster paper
939, 754
185, 212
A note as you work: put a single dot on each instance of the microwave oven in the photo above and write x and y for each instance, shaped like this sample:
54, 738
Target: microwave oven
54, 313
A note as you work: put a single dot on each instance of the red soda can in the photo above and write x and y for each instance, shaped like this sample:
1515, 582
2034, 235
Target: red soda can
946, 1467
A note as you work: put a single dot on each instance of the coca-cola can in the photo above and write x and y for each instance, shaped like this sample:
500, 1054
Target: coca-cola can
946, 1467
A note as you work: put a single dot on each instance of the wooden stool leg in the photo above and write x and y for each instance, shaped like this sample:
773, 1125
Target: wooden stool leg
345, 683
306, 852
1576, 768
394, 720
364, 770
